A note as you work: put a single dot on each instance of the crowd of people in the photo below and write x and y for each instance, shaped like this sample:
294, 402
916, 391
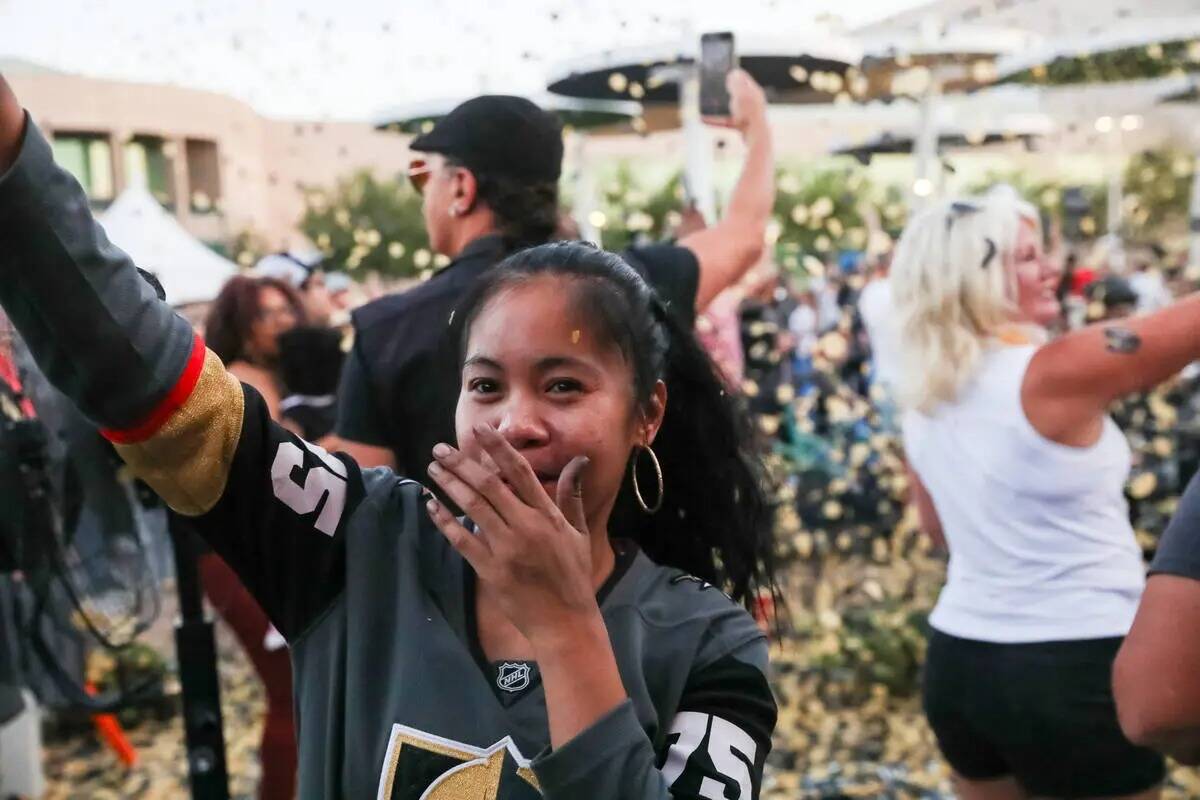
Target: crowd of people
523, 525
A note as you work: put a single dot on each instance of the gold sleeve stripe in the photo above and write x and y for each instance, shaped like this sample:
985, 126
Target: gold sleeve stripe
187, 460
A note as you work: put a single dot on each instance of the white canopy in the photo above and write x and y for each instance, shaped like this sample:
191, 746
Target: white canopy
189, 271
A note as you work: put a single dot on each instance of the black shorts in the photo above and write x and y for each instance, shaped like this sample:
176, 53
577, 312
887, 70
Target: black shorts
1041, 713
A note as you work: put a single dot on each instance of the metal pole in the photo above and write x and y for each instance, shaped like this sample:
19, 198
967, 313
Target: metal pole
585, 189
698, 166
926, 147
196, 650
1116, 256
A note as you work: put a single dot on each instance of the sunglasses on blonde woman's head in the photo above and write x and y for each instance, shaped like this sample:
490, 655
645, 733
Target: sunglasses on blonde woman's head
419, 173
960, 209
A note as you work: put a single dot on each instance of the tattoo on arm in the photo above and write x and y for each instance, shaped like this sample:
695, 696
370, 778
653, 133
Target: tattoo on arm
1121, 340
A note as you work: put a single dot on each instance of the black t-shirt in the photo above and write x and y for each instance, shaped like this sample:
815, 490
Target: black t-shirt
674, 273
1179, 548
401, 381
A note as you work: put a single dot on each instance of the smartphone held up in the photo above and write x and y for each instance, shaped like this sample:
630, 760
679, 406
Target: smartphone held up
717, 60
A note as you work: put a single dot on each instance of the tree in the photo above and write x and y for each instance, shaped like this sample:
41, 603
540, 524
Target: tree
630, 213
819, 213
1157, 189
367, 223
1048, 196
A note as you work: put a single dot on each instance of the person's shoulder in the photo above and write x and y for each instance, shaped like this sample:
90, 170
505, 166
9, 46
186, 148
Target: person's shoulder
676, 604
431, 298
253, 375
391, 504
244, 369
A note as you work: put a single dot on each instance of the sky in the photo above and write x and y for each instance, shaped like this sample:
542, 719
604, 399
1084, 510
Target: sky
349, 59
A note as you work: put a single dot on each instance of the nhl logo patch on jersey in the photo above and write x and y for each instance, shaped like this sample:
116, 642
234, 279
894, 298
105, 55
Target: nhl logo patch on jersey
514, 677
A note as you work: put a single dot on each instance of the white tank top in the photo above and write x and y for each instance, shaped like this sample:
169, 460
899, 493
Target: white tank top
1041, 548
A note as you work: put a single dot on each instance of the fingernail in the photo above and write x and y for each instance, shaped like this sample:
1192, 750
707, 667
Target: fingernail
435, 468
432, 506
483, 429
441, 450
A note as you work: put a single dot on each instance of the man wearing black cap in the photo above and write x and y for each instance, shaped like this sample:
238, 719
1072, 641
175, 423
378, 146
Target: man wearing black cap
490, 187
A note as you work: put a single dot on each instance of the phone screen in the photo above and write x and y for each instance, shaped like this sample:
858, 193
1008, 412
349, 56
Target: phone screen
716, 61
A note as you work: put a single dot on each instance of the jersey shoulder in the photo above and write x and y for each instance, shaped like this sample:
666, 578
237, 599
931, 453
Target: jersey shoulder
390, 495
676, 604
396, 506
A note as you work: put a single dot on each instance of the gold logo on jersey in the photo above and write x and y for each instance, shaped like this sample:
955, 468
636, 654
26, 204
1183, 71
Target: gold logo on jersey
421, 766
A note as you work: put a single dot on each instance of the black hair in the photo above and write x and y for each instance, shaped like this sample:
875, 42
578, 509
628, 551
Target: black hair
714, 522
526, 212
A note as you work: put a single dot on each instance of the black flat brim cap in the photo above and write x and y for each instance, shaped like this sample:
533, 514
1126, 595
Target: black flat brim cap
499, 135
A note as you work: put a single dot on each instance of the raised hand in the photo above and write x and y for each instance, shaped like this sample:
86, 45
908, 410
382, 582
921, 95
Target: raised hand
747, 104
534, 551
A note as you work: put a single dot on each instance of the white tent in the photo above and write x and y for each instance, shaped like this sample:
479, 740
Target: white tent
188, 271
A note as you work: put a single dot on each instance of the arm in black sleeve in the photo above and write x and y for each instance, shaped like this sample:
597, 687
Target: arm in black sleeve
1179, 547
269, 503
283, 528
96, 329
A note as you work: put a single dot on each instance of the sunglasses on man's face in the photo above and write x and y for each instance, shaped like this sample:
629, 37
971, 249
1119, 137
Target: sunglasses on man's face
419, 173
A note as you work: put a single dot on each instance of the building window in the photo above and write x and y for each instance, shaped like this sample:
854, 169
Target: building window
148, 163
87, 156
204, 175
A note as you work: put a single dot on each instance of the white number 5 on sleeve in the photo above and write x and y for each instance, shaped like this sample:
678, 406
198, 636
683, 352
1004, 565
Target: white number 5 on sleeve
303, 498
726, 742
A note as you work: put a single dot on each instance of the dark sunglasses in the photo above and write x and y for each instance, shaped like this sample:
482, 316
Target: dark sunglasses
419, 173
958, 210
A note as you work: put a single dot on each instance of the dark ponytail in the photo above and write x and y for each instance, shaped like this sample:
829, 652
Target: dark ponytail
714, 521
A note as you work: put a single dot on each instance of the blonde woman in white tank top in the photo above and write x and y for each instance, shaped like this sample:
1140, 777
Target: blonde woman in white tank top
1017, 468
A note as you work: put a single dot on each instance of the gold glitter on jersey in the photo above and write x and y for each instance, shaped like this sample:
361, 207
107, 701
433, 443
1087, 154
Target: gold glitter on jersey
187, 461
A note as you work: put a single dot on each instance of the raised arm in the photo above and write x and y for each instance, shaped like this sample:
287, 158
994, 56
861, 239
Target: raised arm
735, 244
1073, 380
272, 505
96, 329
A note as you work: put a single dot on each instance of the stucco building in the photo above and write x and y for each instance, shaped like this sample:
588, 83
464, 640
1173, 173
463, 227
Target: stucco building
213, 161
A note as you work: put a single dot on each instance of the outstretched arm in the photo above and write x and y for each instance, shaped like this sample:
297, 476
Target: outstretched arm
1072, 381
272, 505
735, 244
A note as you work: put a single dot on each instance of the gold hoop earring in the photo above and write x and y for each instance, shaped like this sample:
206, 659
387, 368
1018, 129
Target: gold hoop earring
637, 492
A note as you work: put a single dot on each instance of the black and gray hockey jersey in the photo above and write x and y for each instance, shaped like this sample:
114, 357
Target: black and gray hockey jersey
394, 698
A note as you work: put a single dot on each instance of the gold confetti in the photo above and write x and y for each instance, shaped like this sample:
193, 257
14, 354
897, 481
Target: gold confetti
1143, 485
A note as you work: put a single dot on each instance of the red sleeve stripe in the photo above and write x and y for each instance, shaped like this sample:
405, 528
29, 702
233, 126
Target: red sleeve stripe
169, 404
